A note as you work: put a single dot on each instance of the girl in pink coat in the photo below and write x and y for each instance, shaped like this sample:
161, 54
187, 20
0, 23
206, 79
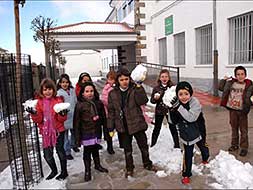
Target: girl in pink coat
111, 76
51, 127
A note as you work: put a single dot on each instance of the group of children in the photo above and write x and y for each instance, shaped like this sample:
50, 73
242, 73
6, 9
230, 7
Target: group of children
120, 109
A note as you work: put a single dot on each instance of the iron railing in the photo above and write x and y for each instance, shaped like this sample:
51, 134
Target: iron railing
153, 70
22, 137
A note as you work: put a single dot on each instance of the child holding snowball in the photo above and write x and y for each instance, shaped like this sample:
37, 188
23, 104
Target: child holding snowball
66, 90
161, 110
188, 116
51, 127
236, 98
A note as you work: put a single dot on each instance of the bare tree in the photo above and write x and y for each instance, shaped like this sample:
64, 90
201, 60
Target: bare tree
41, 26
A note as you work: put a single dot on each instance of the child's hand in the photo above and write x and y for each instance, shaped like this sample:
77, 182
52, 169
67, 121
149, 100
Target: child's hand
111, 133
63, 112
175, 103
30, 110
157, 95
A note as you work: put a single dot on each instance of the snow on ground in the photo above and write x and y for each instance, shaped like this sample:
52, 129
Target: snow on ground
227, 171
231, 173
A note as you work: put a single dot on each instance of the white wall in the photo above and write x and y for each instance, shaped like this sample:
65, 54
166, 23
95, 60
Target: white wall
82, 61
188, 15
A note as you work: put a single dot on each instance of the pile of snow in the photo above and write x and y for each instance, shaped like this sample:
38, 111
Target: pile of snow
139, 73
169, 95
30, 104
2, 126
231, 173
61, 106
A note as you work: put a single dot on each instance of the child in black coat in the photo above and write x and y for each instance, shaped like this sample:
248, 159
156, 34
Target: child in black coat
188, 116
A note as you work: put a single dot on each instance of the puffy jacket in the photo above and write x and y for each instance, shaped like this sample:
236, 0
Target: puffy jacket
57, 118
161, 108
135, 121
70, 98
225, 86
104, 96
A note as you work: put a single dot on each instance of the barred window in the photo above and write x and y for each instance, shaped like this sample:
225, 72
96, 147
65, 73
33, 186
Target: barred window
241, 39
204, 45
179, 48
162, 51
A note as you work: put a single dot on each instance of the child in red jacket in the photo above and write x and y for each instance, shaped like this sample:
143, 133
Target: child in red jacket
51, 127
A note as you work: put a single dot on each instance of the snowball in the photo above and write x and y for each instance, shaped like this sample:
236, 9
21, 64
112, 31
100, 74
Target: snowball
61, 106
139, 73
161, 173
169, 94
30, 104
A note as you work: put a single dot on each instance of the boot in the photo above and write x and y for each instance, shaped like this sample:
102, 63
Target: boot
87, 173
96, 159
53, 168
64, 174
110, 147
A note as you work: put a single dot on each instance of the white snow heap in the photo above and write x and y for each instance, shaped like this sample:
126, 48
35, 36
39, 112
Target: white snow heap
231, 173
139, 73
61, 106
30, 104
169, 95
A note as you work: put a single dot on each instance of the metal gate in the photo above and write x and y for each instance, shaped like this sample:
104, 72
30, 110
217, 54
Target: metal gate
22, 138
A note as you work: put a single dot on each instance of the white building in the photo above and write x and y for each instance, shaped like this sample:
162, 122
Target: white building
123, 12
180, 33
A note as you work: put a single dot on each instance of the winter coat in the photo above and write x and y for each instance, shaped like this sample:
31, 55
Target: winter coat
161, 108
58, 120
135, 98
70, 98
190, 121
225, 86
84, 123
104, 96
77, 89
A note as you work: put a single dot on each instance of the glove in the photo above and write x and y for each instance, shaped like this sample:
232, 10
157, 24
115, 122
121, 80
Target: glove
111, 133
31, 110
175, 103
63, 112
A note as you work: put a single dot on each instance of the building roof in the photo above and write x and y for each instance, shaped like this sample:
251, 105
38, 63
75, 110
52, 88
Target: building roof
93, 27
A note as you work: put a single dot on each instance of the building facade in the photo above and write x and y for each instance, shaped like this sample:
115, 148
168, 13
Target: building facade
180, 33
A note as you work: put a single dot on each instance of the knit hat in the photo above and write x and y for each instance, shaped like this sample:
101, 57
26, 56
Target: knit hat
184, 85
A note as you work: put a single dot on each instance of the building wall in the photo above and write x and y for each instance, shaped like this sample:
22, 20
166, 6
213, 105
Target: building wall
82, 61
187, 16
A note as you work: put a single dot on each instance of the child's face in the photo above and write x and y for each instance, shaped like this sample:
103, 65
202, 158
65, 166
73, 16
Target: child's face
85, 79
47, 92
110, 81
164, 78
183, 96
240, 76
124, 81
64, 84
88, 92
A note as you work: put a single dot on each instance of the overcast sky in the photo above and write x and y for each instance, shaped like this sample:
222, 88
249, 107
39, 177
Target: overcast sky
64, 12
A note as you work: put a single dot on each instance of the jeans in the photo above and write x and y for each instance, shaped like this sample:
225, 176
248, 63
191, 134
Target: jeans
69, 141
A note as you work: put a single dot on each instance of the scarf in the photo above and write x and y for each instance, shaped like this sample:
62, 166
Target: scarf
49, 132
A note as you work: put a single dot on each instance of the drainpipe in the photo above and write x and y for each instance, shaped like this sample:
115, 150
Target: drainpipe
215, 53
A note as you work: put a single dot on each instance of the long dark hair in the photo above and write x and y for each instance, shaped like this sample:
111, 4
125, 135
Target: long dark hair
125, 72
89, 83
84, 74
64, 76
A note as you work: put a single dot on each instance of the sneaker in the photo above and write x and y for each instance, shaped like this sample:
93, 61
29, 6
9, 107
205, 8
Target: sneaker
76, 149
204, 162
185, 180
233, 148
62, 176
129, 173
69, 157
243, 152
